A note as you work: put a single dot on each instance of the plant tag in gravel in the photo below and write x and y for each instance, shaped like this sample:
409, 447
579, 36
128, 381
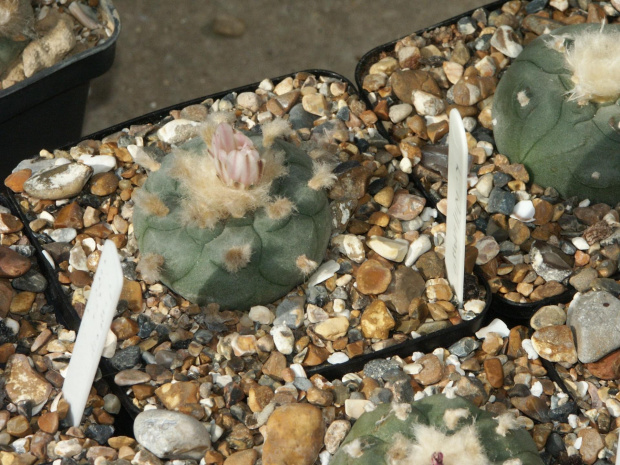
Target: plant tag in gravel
98, 315
457, 205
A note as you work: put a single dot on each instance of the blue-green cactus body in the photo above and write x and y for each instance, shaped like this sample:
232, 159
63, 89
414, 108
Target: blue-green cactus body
564, 143
194, 257
382, 436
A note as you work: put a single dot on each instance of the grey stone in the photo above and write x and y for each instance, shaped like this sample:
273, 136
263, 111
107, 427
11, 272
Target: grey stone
32, 281
464, 347
171, 435
376, 369
126, 358
501, 201
550, 262
549, 315
290, 312
583, 279
300, 118
595, 320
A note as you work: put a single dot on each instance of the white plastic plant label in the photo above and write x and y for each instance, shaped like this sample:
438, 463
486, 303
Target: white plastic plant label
98, 315
457, 205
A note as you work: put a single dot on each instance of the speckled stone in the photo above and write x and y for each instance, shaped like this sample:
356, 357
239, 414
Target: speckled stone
23, 383
61, 182
555, 343
373, 277
376, 321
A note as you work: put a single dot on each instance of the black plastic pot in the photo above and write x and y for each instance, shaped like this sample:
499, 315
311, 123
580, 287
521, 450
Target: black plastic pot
46, 110
511, 312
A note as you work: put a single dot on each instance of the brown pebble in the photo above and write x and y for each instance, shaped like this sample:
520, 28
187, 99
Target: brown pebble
6, 350
373, 277
178, 394
274, 365
12, 264
406, 206
80, 278
9, 224
550, 289
320, 397
243, 457
48, 422
591, 445
494, 372
18, 426
132, 294
143, 391
432, 370
259, 397
606, 368
103, 184
22, 302
315, 355
15, 181
69, 216
6, 296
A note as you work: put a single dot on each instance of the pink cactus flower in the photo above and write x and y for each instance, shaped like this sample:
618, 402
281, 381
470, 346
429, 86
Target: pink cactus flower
437, 459
237, 162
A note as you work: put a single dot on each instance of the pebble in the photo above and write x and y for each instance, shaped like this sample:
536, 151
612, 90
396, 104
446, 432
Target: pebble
315, 104
399, 112
249, 100
333, 328
12, 264
377, 321
550, 262
549, 315
178, 131
171, 435
61, 182
294, 434
488, 248
417, 248
390, 249
23, 383
373, 277
555, 343
594, 317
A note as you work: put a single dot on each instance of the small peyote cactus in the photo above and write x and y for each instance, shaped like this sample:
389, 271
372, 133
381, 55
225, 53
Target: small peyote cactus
233, 219
557, 111
436, 430
16, 29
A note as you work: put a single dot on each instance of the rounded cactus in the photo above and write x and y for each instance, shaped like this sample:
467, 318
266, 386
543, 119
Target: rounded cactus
232, 219
436, 430
557, 111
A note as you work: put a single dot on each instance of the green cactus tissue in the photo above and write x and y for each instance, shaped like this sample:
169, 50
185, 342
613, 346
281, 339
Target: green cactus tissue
436, 430
557, 111
233, 219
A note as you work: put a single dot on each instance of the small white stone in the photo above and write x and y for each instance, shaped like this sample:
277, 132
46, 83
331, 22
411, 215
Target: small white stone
283, 339
99, 163
405, 165
428, 214
399, 112
354, 408
580, 243
354, 248
62, 234
178, 131
529, 349
77, 258
413, 368
68, 448
474, 305
453, 70
390, 249
560, 5
427, 104
109, 347
524, 211
496, 326
261, 314
337, 357
418, 247
249, 100
266, 84
536, 389
323, 273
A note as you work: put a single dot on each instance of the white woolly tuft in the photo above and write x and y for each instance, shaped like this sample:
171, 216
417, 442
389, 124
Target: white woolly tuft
512, 462
354, 449
306, 265
506, 422
274, 129
461, 448
280, 208
237, 258
451, 417
149, 266
322, 176
594, 59
149, 202
401, 410
398, 454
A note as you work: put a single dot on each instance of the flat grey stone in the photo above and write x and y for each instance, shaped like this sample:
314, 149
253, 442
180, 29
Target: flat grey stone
595, 320
171, 435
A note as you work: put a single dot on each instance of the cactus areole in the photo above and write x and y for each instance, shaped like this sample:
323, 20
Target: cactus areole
436, 430
232, 219
557, 111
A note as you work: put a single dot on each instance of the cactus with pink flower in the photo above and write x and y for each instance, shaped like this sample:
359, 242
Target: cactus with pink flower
234, 219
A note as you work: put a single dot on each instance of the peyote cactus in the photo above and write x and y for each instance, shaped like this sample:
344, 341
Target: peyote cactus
233, 219
557, 111
16, 28
436, 430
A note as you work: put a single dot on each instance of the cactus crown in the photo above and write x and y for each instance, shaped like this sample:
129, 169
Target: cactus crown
593, 57
233, 180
